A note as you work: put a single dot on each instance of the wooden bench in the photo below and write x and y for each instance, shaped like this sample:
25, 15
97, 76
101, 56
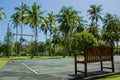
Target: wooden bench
95, 54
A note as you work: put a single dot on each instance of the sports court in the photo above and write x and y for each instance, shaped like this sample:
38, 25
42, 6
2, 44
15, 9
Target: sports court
51, 69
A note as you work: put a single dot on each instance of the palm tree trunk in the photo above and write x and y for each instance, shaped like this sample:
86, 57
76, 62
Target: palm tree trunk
16, 39
65, 44
70, 49
21, 39
36, 46
117, 47
46, 45
50, 44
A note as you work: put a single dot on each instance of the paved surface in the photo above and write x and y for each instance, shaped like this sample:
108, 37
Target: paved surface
51, 69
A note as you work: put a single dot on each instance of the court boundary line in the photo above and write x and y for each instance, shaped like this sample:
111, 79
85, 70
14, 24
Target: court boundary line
30, 68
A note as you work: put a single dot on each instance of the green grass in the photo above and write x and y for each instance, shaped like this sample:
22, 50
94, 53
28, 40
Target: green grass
110, 77
3, 61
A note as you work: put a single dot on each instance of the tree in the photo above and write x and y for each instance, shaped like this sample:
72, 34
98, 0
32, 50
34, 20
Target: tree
56, 37
16, 23
34, 18
48, 24
41, 48
2, 14
80, 40
81, 25
94, 30
95, 13
18, 18
44, 27
8, 41
68, 19
112, 26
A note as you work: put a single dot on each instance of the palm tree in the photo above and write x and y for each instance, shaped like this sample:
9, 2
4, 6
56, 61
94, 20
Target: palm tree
112, 25
34, 19
44, 27
94, 30
68, 19
52, 22
81, 25
15, 22
95, 13
108, 37
19, 17
56, 36
2, 14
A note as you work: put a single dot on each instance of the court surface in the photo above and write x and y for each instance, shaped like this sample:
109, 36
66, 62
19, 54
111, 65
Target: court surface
51, 69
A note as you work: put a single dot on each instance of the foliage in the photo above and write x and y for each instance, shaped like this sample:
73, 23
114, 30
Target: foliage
95, 13
2, 14
112, 28
80, 40
41, 48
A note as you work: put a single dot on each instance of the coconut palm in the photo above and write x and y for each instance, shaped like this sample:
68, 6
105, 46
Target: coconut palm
94, 30
108, 37
19, 17
34, 19
2, 14
21, 12
16, 23
52, 22
81, 25
56, 37
44, 27
95, 13
112, 25
68, 19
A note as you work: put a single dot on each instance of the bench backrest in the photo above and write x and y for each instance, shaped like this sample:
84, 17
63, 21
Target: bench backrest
98, 53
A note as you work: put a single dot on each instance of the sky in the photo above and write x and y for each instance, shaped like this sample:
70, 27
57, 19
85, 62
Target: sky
108, 6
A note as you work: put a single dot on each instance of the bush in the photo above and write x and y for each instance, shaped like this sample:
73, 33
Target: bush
80, 40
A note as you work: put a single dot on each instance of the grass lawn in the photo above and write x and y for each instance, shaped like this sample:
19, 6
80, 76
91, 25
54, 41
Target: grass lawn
3, 61
110, 77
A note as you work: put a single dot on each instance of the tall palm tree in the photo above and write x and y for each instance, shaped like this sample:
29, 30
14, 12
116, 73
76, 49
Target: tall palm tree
95, 13
56, 36
21, 11
68, 19
34, 19
112, 25
52, 22
107, 37
44, 27
16, 23
2, 14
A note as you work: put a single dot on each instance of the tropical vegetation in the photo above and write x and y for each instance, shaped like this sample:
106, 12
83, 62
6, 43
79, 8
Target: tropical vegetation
66, 32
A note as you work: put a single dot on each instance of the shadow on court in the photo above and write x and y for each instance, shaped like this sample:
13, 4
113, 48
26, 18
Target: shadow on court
51, 69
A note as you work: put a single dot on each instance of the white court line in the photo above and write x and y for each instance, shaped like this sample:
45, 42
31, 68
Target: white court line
30, 68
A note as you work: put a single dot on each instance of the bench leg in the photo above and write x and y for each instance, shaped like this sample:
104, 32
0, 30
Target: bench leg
112, 63
75, 67
101, 63
85, 67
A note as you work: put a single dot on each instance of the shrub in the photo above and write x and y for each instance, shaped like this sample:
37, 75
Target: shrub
80, 40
